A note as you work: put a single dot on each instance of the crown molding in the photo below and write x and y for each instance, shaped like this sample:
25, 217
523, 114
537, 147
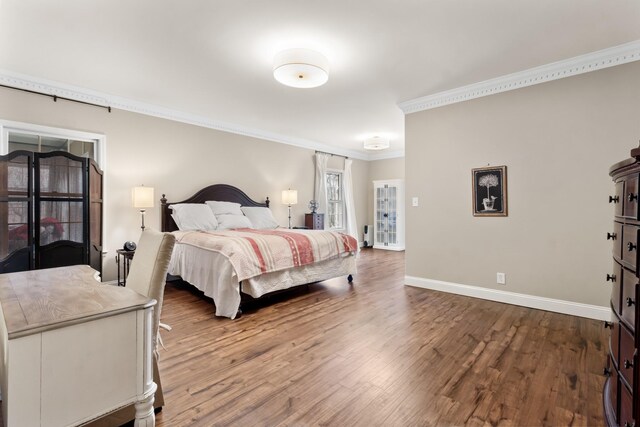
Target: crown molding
37, 84
593, 61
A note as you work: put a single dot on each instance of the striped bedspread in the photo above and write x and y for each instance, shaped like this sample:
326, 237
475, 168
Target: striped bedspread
255, 252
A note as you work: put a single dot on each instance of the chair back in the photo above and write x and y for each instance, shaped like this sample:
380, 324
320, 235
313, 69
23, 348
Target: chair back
148, 272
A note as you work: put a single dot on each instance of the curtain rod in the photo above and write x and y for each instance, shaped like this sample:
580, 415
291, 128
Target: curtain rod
56, 97
331, 154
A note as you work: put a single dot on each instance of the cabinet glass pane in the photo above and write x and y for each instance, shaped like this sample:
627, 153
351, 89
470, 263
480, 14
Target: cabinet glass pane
17, 176
386, 215
95, 182
60, 177
60, 220
17, 229
393, 213
96, 220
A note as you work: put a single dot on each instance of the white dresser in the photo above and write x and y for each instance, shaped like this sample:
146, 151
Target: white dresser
72, 349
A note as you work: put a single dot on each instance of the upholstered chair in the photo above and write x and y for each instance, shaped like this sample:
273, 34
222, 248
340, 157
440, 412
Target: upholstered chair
148, 271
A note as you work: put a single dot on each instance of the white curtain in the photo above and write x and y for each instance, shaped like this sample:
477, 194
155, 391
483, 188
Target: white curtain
352, 225
320, 192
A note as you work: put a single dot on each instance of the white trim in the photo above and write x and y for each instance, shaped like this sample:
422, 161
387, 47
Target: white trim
532, 301
593, 61
389, 248
37, 84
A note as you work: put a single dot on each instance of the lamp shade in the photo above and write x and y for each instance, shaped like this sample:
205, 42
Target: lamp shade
376, 143
142, 197
301, 68
289, 197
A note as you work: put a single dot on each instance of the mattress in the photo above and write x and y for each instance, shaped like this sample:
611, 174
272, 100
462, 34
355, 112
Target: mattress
212, 272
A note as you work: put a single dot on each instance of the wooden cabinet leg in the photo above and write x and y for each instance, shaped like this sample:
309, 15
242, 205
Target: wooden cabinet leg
145, 415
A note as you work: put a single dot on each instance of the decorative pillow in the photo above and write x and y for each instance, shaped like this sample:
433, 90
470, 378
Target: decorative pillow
261, 218
222, 208
193, 216
229, 221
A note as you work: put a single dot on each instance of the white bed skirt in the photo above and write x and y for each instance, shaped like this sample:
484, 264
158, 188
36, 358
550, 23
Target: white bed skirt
214, 275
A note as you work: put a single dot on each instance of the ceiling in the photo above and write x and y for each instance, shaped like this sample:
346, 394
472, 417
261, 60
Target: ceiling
213, 58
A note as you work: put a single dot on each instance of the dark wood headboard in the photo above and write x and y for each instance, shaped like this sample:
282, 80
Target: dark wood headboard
219, 192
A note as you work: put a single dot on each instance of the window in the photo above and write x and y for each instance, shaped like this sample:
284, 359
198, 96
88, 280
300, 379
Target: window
42, 139
44, 144
335, 200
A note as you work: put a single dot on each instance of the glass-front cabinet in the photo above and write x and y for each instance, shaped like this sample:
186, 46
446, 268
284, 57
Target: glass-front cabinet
388, 214
16, 212
50, 211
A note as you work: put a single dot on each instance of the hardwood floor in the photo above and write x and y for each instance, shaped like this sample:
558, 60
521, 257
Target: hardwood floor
378, 353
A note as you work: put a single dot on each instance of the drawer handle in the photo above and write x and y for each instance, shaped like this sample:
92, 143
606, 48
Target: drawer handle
630, 302
611, 278
627, 364
608, 325
614, 199
631, 197
631, 247
606, 371
612, 236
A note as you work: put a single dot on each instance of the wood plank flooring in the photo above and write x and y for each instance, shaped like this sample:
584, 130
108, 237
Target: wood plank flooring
377, 353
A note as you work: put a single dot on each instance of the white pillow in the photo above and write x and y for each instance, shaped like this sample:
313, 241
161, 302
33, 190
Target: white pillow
221, 208
193, 216
261, 218
229, 221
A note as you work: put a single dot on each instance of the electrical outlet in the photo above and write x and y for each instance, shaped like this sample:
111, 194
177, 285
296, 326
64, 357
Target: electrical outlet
414, 202
501, 279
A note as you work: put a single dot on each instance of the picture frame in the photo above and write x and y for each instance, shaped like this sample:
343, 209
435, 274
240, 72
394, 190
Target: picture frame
489, 186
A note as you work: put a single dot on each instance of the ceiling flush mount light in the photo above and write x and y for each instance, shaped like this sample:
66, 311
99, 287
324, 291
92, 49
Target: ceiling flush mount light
302, 68
376, 143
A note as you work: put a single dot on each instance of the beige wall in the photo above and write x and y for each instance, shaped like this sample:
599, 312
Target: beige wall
558, 141
178, 159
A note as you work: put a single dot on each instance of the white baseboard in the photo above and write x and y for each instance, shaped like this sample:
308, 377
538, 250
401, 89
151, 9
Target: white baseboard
531, 301
389, 248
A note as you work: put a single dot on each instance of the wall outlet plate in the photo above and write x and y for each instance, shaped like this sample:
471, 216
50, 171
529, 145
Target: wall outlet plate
501, 278
414, 201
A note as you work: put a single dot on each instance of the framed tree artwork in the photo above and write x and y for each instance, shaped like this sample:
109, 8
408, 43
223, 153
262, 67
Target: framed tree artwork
489, 191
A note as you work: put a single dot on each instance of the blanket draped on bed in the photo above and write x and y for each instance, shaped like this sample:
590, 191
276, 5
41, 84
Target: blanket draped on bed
254, 252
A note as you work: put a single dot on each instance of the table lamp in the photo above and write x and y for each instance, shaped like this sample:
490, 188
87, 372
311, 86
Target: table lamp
289, 197
142, 197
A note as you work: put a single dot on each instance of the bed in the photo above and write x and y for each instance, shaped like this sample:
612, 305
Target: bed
212, 260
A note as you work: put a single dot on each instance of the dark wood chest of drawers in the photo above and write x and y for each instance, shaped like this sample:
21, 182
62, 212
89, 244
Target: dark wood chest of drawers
314, 221
622, 388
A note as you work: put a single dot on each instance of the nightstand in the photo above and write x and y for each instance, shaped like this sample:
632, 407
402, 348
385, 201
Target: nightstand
123, 261
314, 221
